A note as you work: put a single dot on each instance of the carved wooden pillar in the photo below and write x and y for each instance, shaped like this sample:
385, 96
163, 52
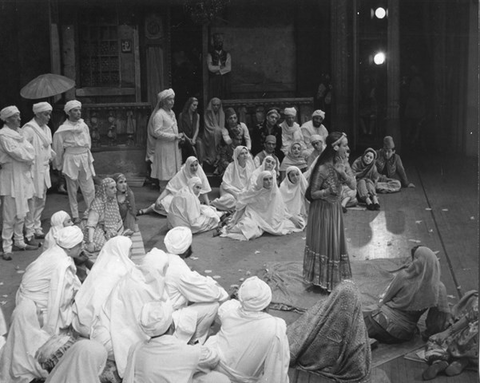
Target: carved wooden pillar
341, 120
393, 74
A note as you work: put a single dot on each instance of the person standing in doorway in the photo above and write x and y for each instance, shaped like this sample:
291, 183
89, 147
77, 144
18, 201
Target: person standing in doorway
219, 64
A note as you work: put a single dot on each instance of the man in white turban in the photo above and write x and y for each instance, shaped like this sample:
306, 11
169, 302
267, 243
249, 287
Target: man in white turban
163, 138
72, 144
16, 186
252, 344
43, 307
291, 131
37, 132
193, 295
314, 126
165, 358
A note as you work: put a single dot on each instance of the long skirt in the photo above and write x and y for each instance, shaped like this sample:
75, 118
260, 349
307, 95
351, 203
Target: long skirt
326, 261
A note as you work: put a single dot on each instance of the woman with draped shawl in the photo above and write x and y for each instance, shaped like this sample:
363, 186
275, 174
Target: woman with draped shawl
58, 221
293, 189
414, 290
214, 120
455, 348
186, 210
126, 202
191, 168
112, 264
102, 220
268, 164
325, 261
260, 209
117, 327
294, 157
367, 176
331, 340
235, 179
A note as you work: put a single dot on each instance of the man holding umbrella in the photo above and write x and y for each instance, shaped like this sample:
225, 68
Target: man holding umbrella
39, 135
16, 185
72, 144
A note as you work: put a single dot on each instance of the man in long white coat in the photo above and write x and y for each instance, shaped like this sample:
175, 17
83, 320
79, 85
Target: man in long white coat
16, 184
43, 307
37, 132
72, 143
194, 296
253, 344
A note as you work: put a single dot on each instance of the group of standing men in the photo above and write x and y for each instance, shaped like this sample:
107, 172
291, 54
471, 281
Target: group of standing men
25, 156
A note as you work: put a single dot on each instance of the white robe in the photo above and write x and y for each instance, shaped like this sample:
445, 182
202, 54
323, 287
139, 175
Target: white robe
294, 196
16, 159
167, 359
45, 295
41, 139
112, 264
253, 346
186, 210
290, 134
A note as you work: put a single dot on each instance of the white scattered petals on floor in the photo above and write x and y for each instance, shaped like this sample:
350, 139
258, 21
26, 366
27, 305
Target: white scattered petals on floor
216, 277
208, 271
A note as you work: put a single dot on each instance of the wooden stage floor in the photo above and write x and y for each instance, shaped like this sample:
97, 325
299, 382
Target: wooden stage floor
441, 213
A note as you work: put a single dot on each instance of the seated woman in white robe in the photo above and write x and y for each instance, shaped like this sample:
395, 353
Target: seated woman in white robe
268, 164
186, 210
294, 157
293, 189
58, 221
189, 169
112, 264
117, 328
235, 179
43, 307
261, 209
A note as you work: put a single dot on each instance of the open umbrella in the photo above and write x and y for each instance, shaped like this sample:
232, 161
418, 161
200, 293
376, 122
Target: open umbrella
46, 85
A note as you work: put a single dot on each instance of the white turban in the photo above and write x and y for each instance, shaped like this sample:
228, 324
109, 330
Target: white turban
254, 294
156, 318
41, 107
290, 112
315, 138
165, 94
69, 237
318, 112
178, 240
72, 105
8, 111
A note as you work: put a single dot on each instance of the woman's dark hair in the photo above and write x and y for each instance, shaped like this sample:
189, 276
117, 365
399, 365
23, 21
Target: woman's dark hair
328, 154
187, 105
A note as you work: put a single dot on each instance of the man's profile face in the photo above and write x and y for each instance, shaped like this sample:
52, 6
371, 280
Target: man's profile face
317, 121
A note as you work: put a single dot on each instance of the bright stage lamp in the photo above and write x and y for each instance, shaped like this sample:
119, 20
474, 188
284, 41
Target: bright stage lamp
380, 13
379, 58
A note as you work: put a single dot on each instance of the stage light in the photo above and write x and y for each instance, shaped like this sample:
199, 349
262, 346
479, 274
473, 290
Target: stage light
380, 13
379, 58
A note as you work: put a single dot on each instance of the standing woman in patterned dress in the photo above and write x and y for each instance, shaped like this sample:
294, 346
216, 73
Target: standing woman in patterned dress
326, 262
163, 149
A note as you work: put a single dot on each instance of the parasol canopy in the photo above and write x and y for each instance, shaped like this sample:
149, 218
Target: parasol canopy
46, 85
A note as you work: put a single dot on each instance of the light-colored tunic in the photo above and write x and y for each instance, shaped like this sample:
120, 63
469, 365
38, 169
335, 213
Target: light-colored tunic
167, 359
16, 159
167, 158
308, 130
45, 296
72, 143
41, 139
253, 346
290, 134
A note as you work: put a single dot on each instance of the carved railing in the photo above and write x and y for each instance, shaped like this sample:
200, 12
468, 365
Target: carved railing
117, 125
252, 111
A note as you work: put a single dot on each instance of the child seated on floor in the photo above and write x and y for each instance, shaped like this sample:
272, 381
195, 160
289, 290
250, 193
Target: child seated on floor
367, 176
389, 164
